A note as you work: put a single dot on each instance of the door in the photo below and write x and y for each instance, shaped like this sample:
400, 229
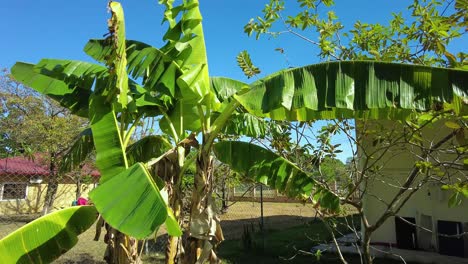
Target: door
452, 246
406, 232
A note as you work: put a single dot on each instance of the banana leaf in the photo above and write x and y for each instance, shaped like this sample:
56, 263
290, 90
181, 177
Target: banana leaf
45, 239
245, 124
76, 100
118, 58
131, 202
82, 147
158, 71
110, 155
147, 148
266, 167
182, 117
225, 88
356, 89
186, 46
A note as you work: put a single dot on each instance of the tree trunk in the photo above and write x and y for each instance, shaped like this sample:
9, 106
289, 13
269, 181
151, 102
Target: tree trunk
225, 191
121, 249
205, 231
52, 187
174, 244
78, 187
366, 254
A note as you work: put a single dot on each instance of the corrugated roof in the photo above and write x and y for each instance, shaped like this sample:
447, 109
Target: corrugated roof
22, 166
25, 166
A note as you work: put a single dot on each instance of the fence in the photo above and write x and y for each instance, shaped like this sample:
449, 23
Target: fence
23, 195
261, 208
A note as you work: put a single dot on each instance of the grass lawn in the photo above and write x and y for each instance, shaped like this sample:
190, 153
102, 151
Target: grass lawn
282, 246
289, 227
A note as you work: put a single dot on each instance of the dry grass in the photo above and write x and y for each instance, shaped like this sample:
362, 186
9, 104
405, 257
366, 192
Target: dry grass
86, 250
276, 216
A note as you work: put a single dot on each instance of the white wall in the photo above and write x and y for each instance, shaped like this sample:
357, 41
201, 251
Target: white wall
430, 200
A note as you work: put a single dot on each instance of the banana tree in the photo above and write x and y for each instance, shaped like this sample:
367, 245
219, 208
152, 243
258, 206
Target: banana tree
101, 93
112, 103
361, 90
177, 87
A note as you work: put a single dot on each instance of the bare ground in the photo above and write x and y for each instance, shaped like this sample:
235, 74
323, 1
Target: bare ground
239, 214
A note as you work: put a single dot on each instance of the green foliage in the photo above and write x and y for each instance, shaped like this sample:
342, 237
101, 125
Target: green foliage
333, 169
82, 148
423, 37
147, 148
31, 123
138, 214
176, 88
117, 60
108, 96
459, 191
110, 151
245, 63
347, 89
45, 239
266, 167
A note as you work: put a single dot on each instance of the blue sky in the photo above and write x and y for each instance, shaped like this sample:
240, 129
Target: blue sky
35, 29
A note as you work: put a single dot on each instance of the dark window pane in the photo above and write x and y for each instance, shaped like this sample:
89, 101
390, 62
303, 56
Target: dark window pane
14, 191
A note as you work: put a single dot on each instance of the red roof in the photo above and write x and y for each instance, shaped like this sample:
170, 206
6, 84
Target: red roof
22, 166
28, 167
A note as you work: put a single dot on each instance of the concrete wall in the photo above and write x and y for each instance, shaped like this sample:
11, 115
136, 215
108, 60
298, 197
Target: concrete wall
34, 201
428, 203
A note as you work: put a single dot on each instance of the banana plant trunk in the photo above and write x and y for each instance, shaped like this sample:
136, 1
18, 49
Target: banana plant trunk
174, 245
173, 180
121, 249
205, 232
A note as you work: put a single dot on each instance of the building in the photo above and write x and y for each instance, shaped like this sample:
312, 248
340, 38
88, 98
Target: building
425, 222
23, 185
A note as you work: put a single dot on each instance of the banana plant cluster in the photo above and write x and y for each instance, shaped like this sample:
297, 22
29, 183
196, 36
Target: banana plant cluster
133, 81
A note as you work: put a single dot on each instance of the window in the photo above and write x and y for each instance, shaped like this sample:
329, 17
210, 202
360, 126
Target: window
12, 191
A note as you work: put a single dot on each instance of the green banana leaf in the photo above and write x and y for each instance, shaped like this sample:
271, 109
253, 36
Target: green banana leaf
82, 147
147, 148
118, 58
74, 99
77, 74
46, 238
270, 169
131, 202
355, 89
245, 124
186, 46
158, 71
172, 225
180, 68
183, 116
225, 88
110, 155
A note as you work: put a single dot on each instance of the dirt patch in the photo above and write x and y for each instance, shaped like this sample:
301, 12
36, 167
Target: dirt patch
275, 216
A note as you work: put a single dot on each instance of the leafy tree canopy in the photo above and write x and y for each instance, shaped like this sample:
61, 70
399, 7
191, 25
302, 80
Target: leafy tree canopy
421, 37
32, 123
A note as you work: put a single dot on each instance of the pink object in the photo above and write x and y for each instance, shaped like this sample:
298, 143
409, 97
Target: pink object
82, 201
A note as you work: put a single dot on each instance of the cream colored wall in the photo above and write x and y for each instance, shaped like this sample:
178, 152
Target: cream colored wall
66, 194
430, 200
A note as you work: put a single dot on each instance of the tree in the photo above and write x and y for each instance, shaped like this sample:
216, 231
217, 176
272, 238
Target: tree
36, 126
177, 87
421, 38
424, 39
